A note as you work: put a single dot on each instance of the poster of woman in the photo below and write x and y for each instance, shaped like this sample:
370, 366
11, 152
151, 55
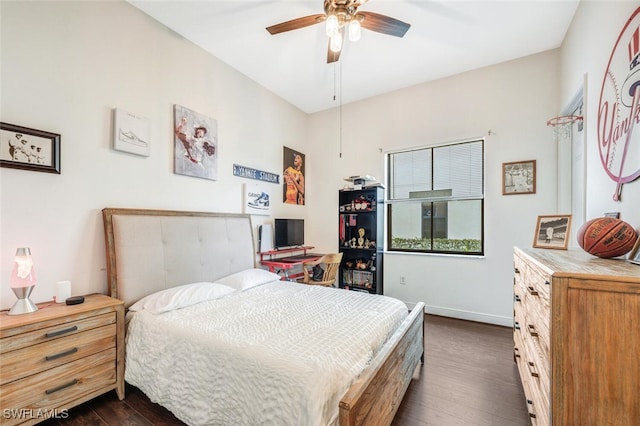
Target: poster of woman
293, 177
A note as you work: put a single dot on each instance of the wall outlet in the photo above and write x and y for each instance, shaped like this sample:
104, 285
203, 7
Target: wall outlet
403, 281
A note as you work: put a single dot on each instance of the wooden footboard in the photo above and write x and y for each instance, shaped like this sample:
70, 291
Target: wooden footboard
375, 396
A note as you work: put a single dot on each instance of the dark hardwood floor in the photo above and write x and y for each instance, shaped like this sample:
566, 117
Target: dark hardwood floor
469, 378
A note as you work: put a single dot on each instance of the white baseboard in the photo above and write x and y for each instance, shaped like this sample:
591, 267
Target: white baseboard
466, 315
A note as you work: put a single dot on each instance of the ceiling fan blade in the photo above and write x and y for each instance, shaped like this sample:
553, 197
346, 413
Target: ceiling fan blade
297, 23
383, 24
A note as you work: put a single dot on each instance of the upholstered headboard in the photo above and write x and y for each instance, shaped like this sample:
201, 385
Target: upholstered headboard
151, 250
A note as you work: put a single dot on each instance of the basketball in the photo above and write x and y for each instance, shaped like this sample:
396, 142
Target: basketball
607, 237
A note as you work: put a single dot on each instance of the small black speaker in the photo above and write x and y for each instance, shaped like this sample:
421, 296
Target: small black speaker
75, 300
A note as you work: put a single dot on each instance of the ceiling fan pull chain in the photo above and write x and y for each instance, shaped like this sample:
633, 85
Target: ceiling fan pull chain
340, 109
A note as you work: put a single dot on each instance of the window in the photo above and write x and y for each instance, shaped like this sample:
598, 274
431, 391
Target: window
436, 199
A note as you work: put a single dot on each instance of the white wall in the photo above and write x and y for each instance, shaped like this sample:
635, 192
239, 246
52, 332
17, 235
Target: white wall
65, 65
508, 104
512, 100
585, 55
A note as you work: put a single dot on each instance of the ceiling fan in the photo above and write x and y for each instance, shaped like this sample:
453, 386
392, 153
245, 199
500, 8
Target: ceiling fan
341, 14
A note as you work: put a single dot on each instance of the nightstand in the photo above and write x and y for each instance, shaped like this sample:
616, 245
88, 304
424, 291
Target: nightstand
58, 357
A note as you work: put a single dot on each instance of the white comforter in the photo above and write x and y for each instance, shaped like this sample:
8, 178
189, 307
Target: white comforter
278, 354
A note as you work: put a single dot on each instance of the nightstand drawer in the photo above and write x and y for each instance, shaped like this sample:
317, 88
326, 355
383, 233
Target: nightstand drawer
36, 358
54, 388
57, 331
60, 356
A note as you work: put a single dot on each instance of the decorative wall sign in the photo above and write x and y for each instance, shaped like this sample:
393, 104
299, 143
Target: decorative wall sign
248, 172
196, 144
29, 149
130, 133
519, 177
257, 199
293, 191
619, 108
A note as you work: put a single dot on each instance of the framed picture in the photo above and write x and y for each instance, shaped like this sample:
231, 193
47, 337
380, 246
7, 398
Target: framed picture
29, 149
130, 133
552, 231
196, 144
257, 199
519, 177
634, 255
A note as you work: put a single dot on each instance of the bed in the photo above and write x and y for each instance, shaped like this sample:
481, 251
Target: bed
253, 348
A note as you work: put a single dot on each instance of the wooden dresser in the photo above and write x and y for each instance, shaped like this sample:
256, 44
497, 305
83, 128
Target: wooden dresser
577, 337
58, 357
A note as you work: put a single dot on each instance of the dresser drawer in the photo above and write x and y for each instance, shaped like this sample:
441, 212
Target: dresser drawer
533, 382
532, 278
536, 323
58, 330
536, 362
49, 354
52, 389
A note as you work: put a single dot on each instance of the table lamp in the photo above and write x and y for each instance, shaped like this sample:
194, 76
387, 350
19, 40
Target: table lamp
22, 282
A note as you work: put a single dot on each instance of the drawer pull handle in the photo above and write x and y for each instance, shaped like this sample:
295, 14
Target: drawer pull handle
532, 330
516, 298
547, 282
531, 414
516, 325
61, 354
516, 270
516, 352
60, 332
59, 388
532, 291
531, 366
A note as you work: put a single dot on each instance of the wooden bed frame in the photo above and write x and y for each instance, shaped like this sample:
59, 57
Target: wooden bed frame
153, 236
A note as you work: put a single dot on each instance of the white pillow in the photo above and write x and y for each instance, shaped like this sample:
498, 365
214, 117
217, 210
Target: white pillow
248, 278
181, 297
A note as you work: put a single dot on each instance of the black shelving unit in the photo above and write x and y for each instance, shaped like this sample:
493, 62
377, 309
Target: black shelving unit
361, 228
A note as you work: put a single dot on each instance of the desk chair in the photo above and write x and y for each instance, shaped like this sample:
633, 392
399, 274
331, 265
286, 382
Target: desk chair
329, 262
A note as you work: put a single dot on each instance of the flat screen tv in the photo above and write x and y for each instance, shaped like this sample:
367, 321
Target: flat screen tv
288, 233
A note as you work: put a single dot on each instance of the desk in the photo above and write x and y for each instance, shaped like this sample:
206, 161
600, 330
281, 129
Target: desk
284, 264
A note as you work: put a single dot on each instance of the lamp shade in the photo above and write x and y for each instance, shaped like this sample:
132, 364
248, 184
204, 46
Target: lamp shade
22, 282
335, 43
332, 25
355, 30
23, 273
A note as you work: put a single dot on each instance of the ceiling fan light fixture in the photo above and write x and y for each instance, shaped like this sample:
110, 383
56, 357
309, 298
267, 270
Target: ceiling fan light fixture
336, 43
342, 20
332, 25
355, 30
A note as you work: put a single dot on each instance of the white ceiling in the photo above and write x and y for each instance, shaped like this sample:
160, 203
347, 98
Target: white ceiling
446, 37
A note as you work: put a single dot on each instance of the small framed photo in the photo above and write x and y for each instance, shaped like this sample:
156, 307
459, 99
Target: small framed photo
552, 231
634, 255
615, 215
29, 149
257, 199
519, 177
130, 133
